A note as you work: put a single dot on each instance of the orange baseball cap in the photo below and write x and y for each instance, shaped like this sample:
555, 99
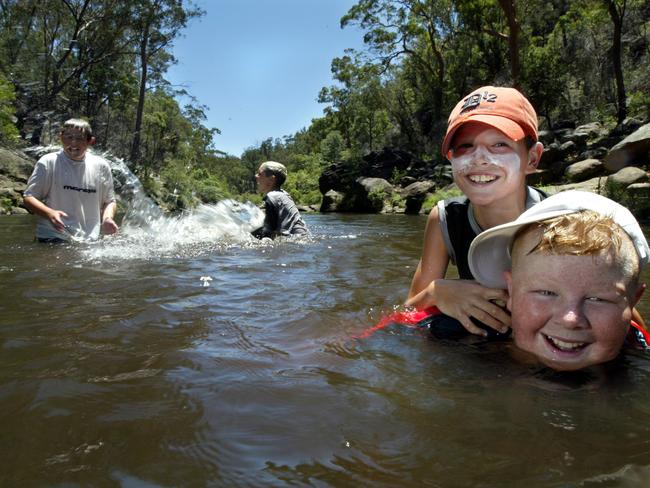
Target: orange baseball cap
503, 108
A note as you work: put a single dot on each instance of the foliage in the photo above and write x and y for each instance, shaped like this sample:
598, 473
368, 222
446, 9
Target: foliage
8, 131
581, 60
432, 199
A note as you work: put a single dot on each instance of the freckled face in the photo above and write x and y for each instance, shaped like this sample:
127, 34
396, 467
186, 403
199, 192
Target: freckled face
571, 312
75, 144
487, 165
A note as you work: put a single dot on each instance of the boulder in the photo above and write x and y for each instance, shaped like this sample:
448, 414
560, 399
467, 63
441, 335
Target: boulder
332, 201
415, 194
628, 176
619, 183
546, 137
637, 199
370, 194
583, 170
382, 164
595, 185
335, 177
594, 153
633, 149
550, 156
593, 130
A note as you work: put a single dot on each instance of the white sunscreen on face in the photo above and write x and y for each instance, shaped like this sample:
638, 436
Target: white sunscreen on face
482, 157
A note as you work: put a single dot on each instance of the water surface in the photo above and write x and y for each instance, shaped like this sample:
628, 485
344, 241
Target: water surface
119, 367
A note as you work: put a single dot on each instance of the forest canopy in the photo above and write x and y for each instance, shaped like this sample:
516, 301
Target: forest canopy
579, 61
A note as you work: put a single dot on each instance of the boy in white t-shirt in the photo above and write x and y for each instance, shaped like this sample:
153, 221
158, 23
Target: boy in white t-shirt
71, 190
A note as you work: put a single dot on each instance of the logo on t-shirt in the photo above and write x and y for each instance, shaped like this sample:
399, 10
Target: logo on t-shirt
76, 188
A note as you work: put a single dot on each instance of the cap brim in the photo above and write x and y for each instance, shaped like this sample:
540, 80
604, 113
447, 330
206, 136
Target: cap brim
489, 254
509, 127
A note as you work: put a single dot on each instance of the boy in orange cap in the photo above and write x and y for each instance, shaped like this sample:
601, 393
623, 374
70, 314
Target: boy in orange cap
491, 142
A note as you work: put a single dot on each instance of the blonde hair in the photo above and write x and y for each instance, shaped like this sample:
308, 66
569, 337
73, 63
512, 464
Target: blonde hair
586, 233
80, 125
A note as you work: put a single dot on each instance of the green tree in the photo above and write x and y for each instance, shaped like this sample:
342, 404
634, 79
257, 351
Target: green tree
156, 24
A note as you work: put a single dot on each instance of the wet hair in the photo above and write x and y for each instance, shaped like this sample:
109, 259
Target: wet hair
529, 141
80, 125
586, 233
272, 168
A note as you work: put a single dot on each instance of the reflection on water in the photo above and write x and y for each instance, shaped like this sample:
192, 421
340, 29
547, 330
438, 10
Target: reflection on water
119, 367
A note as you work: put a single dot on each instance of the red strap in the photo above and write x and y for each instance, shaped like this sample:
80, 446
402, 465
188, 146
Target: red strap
406, 318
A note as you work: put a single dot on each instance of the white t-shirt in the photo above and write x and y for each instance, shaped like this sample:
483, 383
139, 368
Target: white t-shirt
81, 189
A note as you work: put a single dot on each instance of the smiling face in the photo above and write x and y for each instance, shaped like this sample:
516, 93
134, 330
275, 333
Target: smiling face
570, 311
75, 143
487, 165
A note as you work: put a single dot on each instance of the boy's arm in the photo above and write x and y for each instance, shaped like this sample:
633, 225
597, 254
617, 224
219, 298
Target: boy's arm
39, 208
108, 224
434, 260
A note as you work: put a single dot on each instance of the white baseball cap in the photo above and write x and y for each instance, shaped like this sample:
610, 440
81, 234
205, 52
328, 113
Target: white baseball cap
489, 254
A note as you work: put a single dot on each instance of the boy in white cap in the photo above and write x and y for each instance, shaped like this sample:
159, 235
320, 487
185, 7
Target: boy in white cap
282, 217
491, 142
572, 266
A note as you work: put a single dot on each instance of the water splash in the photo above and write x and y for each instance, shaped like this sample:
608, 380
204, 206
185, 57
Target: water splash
147, 233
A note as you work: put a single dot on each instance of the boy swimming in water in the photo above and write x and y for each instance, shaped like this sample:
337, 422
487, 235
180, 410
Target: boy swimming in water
491, 142
572, 267
282, 217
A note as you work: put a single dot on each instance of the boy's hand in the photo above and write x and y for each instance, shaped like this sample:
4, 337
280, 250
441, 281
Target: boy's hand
109, 226
462, 299
54, 216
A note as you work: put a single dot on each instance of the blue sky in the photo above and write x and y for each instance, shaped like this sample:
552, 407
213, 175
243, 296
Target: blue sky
258, 65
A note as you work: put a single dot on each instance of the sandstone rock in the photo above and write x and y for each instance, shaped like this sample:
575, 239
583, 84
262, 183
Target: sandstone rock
637, 199
594, 153
332, 201
415, 194
583, 170
546, 137
592, 130
633, 149
628, 176
370, 194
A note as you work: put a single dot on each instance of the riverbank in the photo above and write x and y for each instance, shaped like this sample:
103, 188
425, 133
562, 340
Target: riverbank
610, 160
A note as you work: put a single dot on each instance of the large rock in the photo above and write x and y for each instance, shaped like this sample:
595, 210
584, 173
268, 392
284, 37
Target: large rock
336, 176
637, 199
631, 150
371, 194
384, 163
628, 176
415, 194
583, 170
15, 169
618, 186
593, 130
332, 201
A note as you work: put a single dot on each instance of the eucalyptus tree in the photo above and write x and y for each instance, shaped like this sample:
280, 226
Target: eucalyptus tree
155, 24
358, 106
50, 47
417, 31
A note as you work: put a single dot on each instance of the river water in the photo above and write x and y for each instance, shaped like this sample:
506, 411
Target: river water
214, 361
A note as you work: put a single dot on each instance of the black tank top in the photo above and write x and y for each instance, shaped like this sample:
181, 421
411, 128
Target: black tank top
459, 228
